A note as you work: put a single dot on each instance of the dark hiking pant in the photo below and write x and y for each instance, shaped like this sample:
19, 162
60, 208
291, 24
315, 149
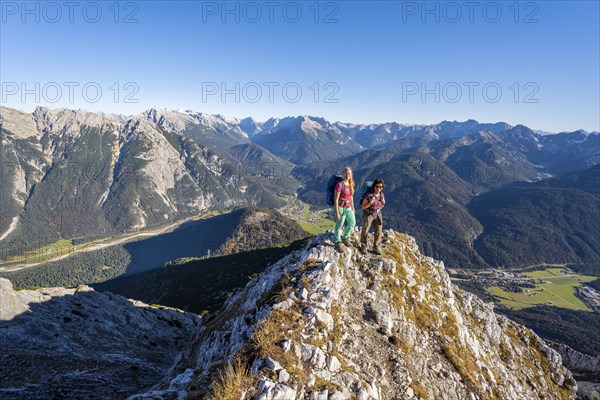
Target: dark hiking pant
377, 222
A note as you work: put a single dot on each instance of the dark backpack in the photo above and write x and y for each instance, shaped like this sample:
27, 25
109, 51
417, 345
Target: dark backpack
333, 180
369, 189
364, 196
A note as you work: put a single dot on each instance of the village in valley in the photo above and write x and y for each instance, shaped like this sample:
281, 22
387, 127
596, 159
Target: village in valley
551, 285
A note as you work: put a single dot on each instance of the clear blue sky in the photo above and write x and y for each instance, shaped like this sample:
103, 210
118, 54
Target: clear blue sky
381, 61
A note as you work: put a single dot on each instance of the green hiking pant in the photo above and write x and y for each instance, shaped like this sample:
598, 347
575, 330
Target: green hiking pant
346, 215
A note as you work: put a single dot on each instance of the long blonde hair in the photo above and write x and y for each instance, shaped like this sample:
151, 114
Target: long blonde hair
351, 179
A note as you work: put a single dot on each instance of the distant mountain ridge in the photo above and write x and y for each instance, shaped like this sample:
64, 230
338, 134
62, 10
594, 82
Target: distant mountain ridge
75, 174
487, 218
305, 139
552, 219
222, 131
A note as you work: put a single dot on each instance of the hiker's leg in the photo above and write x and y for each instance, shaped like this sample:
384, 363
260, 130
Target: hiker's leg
338, 225
366, 224
378, 228
349, 212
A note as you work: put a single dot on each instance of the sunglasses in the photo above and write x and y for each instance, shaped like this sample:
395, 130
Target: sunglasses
379, 186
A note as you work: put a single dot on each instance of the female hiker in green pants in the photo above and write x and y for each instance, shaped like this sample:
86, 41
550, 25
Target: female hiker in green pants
344, 208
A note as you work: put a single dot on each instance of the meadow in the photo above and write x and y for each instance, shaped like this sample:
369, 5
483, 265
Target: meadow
557, 289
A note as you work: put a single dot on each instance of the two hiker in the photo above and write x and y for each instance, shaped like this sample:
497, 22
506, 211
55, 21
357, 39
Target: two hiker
371, 204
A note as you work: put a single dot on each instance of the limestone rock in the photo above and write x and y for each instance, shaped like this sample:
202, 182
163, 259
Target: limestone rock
393, 326
78, 343
344, 326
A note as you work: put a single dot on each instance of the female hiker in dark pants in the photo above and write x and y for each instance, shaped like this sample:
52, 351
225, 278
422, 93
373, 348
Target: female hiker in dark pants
344, 208
371, 204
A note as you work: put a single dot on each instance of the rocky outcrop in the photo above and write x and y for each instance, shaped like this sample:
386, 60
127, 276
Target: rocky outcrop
576, 362
588, 390
585, 368
258, 228
317, 324
62, 343
320, 324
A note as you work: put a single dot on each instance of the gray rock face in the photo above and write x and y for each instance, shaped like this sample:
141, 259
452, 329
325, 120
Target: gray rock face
81, 344
588, 391
580, 363
585, 369
344, 325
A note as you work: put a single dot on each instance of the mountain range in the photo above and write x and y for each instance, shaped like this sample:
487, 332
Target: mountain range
74, 174
81, 175
478, 222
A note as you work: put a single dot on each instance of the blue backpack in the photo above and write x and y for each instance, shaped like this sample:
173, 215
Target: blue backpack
333, 180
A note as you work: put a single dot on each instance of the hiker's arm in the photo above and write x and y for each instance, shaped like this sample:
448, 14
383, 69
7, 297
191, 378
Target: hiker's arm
336, 199
365, 204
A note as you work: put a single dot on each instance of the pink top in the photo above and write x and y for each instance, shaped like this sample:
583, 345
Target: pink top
377, 204
345, 200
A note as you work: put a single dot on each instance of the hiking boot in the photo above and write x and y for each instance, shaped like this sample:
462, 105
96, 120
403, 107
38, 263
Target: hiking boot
339, 246
347, 242
377, 251
363, 249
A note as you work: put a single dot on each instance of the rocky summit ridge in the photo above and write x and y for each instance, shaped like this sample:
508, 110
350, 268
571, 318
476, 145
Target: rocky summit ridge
319, 324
